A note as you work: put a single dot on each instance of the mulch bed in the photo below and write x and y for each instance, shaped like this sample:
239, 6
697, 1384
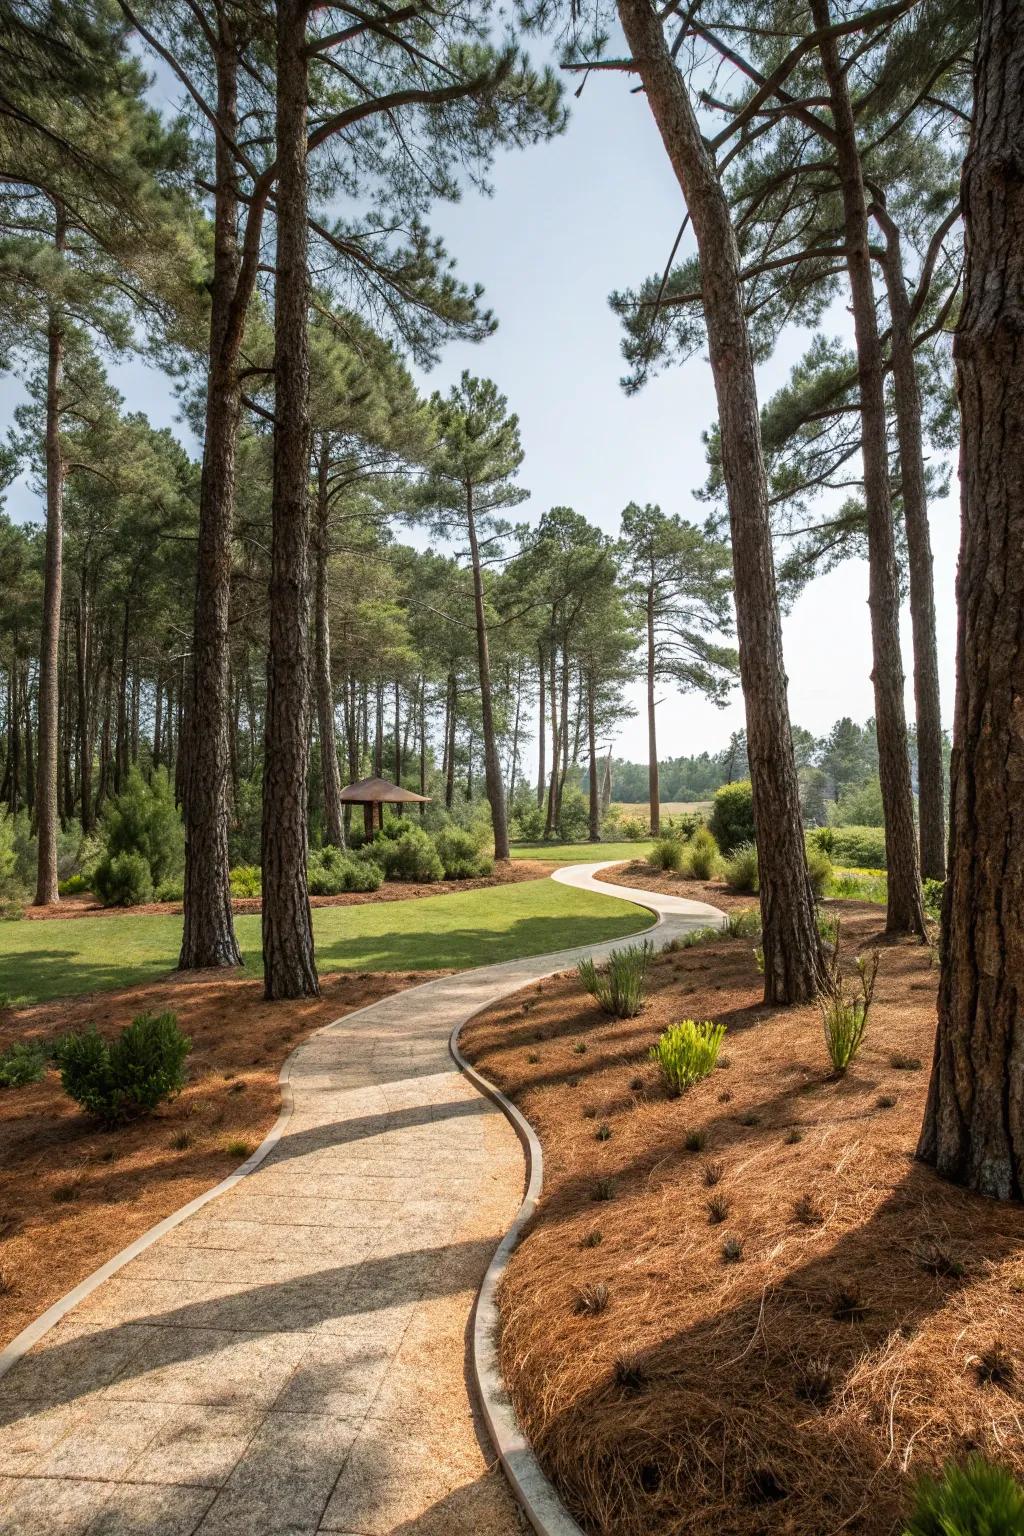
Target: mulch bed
510, 873
73, 1194
638, 873
787, 1361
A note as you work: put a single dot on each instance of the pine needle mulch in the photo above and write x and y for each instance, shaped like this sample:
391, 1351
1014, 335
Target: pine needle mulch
749, 1310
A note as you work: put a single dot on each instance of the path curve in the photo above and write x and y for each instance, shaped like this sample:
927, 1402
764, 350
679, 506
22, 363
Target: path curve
288, 1354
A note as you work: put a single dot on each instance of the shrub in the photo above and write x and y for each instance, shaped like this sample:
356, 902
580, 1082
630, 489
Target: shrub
741, 869
620, 986
687, 1052
702, 856
74, 885
123, 880
246, 881
528, 822
683, 824
933, 891
732, 815
667, 854
573, 815
460, 854
819, 867
144, 1066
22, 1063
633, 830
410, 856
860, 847
977, 1499
331, 871
858, 805
8, 858
171, 890
845, 1017
744, 923
143, 819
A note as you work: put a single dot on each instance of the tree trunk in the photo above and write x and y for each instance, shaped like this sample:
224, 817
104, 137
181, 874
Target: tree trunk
492, 764
653, 786
49, 650
905, 909
208, 937
449, 778
973, 1129
121, 736
541, 722
927, 701
552, 814
595, 793
83, 657
289, 967
792, 948
334, 819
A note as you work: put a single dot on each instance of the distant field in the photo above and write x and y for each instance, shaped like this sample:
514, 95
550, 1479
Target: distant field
581, 853
668, 807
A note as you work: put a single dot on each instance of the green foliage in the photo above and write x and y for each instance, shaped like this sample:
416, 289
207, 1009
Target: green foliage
10, 885
410, 856
144, 1066
171, 890
860, 885
844, 1016
143, 819
732, 815
702, 859
527, 820
744, 923
667, 854
22, 1063
858, 805
461, 855
246, 832
74, 885
976, 1499
573, 815
246, 881
620, 986
741, 869
819, 867
933, 890
331, 871
123, 880
687, 1052
861, 847
633, 830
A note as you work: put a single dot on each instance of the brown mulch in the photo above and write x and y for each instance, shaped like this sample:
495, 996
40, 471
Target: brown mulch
788, 1362
639, 874
510, 873
73, 1194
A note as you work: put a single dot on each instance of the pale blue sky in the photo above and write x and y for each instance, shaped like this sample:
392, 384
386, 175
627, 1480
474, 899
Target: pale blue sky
569, 221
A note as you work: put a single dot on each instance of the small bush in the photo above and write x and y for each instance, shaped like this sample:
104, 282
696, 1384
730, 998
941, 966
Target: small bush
819, 867
717, 1207
74, 885
573, 815
695, 1140
741, 869
22, 1063
845, 1017
702, 857
667, 855
144, 1066
633, 830
687, 1052
528, 823
331, 871
744, 923
592, 1299
143, 819
123, 880
410, 856
861, 847
933, 891
460, 855
977, 1499
732, 815
170, 890
246, 882
620, 986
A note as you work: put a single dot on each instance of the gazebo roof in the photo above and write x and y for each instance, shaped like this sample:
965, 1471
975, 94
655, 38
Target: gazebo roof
380, 791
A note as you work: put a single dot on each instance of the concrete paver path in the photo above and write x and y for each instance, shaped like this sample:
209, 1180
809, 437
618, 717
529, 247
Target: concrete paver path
291, 1358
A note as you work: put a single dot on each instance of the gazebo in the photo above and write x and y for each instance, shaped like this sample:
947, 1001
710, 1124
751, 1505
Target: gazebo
371, 794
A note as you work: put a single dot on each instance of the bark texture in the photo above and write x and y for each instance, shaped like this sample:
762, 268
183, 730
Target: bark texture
973, 1129
334, 817
792, 948
492, 763
905, 908
289, 968
653, 780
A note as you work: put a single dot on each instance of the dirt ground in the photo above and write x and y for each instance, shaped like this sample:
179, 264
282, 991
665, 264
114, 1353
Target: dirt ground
509, 873
73, 1194
748, 1310
639, 874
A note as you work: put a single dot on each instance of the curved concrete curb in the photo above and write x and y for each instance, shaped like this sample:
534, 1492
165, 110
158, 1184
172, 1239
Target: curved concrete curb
536, 1494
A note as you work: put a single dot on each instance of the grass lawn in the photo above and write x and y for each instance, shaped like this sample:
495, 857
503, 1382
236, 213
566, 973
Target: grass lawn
62, 957
580, 853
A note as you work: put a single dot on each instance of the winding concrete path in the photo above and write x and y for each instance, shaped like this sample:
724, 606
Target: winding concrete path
289, 1356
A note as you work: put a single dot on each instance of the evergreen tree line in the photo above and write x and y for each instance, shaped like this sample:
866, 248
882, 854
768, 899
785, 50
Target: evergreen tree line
867, 151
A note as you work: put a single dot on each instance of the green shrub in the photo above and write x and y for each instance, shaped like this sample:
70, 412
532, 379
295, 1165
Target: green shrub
667, 854
844, 1016
741, 869
412, 856
11, 910
8, 858
246, 881
123, 880
933, 890
702, 857
460, 854
620, 986
143, 819
527, 821
331, 871
686, 1052
74, 885
861, 847
171, 890
573, 815
633, 830
144, 1066
732, 815
819, 867
22, 1063
858, 805
977, 1499
682, 824
744, 923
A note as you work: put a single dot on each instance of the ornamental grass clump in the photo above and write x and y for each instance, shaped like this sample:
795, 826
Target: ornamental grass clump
687, 1052
620, 987
702, 855
976, 1499
845, 1016
667, 855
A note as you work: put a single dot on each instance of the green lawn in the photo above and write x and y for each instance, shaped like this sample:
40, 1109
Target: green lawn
61, 957
581, 853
